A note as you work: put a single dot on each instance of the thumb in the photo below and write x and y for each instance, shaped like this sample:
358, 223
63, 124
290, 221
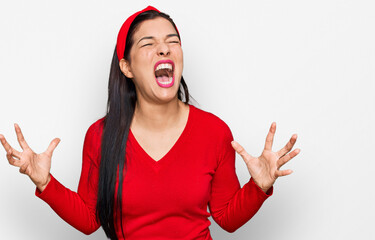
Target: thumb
240, 150
52, 146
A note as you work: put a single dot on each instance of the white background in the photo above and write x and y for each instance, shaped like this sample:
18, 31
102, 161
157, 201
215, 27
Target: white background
308, 65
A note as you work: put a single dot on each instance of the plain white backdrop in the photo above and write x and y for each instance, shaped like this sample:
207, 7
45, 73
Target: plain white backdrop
308, 65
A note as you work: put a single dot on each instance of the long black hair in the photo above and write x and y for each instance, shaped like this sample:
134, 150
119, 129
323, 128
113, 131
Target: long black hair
120, 110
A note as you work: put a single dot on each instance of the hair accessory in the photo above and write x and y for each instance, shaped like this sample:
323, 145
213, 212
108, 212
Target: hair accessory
123, 33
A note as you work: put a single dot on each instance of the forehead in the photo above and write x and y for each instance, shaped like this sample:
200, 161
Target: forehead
157, 27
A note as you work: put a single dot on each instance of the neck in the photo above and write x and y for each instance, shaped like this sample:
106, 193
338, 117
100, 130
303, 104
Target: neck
156, 117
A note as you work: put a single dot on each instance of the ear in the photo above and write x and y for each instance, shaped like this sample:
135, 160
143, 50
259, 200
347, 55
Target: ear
125, 68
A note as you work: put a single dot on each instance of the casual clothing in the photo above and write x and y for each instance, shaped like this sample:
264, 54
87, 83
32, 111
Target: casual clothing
168, 198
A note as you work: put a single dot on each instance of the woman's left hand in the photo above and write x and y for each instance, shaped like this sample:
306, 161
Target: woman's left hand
265, 169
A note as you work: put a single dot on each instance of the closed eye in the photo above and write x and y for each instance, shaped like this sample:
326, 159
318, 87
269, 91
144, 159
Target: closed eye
148, 44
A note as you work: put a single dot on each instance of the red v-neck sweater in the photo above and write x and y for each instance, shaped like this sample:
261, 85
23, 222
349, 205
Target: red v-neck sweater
168, 198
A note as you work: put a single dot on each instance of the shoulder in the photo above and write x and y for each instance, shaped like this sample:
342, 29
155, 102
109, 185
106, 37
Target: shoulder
94, 133
92, 143
212, 123
96, 128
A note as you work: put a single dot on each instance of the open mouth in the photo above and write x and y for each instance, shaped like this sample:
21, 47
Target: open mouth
164, 70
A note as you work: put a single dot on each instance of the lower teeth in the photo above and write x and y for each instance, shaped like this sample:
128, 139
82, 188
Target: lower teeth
167, 82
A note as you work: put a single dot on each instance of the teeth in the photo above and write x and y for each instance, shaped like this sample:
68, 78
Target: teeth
164, 65
168, 82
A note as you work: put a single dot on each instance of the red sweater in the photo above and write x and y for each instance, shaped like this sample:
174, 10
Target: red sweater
166, 199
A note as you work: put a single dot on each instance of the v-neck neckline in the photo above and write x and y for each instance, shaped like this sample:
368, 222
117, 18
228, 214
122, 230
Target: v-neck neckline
166, 156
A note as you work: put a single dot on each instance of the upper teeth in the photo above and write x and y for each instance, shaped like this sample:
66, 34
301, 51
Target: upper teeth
164, 65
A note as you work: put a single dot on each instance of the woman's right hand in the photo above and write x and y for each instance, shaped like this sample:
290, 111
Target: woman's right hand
36, 166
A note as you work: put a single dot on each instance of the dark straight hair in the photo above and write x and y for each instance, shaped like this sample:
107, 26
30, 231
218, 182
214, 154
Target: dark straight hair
120, 110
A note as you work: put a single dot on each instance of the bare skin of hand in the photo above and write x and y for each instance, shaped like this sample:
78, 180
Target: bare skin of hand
36, 166
265, 169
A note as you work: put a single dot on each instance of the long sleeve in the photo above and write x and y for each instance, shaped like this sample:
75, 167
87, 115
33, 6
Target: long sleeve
230, 205
78, 208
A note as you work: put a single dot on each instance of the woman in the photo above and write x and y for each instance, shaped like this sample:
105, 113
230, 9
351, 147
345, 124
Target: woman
175, 159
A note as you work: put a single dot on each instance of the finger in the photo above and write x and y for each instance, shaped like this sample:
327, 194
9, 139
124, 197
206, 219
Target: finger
288, 146
52, 146
23, 168
20, 137
11, 160
287, 157
269, 138
7, 147
240, 150
281, 173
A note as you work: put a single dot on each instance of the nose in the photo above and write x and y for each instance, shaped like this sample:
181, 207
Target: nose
163, 50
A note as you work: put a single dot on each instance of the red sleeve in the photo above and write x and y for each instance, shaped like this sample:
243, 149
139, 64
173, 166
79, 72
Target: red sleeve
78, 208
230, 205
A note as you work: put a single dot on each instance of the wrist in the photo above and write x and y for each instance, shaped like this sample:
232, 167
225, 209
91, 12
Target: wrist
263, 188
41, 187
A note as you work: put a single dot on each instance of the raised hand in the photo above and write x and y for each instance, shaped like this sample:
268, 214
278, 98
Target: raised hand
36, 166
265, 169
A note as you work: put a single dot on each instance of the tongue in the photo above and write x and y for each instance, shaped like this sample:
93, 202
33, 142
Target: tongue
163, 79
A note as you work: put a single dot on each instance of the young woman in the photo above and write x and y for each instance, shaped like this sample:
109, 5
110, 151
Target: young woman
174, 158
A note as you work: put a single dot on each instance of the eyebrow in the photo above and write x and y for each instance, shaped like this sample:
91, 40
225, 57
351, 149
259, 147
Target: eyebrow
151, 37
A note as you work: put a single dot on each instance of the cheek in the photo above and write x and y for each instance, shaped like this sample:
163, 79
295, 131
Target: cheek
142, 62
178, 51
149, 53
181, 64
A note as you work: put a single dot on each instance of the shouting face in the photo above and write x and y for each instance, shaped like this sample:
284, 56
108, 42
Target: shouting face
156, 61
